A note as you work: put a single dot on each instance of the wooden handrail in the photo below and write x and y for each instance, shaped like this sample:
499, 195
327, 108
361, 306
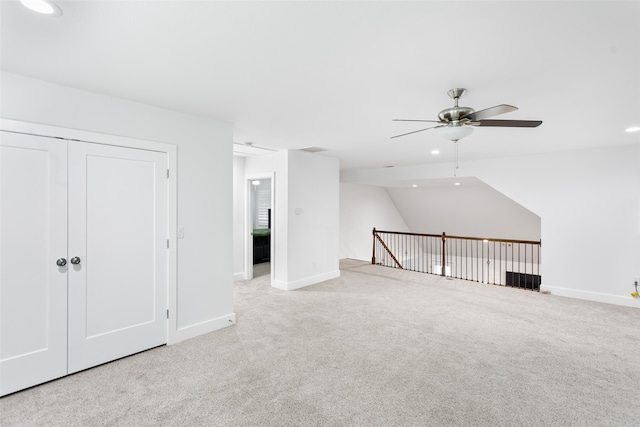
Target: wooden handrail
487, 239
386, 248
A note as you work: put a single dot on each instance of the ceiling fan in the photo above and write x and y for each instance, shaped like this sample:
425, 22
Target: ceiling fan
458, 122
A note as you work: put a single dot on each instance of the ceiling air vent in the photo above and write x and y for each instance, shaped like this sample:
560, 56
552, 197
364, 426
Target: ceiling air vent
313, 149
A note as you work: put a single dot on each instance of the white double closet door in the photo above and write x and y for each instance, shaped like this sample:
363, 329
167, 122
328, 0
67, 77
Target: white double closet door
83, 256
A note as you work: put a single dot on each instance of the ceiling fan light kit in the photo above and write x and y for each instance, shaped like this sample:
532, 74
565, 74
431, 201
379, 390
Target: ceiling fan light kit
455, 133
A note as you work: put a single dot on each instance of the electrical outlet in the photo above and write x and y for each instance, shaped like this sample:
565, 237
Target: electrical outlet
635, 281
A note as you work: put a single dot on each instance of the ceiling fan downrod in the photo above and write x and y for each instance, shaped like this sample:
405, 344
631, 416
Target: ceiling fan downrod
456, 94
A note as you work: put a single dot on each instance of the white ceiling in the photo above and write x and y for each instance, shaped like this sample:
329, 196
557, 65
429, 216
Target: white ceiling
333, 74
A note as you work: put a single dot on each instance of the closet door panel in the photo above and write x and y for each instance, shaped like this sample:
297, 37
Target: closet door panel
33, 288
118, 232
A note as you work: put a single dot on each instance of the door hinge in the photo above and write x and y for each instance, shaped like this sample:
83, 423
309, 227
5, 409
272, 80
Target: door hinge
167, 173
167, 243
167, 313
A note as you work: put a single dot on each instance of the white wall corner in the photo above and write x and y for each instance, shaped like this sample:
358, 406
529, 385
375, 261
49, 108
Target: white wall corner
307, 281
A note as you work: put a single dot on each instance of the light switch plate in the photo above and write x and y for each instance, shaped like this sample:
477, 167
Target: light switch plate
180, 234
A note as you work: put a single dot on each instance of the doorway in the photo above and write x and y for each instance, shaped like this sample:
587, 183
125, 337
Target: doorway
261, 231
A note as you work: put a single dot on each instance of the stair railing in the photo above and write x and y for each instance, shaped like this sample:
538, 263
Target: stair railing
376, 236
505, 262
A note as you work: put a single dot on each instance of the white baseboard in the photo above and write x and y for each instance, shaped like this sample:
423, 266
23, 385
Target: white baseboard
239, 276
307, 281
198, 329
593, 296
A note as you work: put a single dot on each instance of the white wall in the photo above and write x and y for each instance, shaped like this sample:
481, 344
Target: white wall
363, 207
589, 204
472, 209
238, 218
305, 216
589, 201
314, 219
204, 284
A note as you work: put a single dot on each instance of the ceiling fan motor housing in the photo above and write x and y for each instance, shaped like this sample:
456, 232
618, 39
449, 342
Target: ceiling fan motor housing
454, 114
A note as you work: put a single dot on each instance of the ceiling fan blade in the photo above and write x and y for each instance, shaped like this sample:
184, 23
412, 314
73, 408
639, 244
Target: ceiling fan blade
416, 131
507, 123
411, 120
489, 112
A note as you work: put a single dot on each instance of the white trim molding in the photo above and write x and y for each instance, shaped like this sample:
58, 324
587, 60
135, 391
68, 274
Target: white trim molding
592, 296
307, 281
239, 276
197, 329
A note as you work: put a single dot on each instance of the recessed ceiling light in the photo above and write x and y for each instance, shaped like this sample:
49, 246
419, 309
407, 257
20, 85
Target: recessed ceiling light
434, 152
44, 7
633, 129
456, 183
414, 185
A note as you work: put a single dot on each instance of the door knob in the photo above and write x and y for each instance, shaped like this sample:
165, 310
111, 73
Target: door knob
75, 260
61, 262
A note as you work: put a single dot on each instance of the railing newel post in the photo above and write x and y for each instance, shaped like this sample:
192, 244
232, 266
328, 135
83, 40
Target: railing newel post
373, 258
444, 257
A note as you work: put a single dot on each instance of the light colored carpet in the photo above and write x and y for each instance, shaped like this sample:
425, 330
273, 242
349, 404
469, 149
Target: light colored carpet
261, 269
375, 347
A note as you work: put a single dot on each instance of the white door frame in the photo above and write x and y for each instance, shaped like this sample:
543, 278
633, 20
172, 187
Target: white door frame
248, 241
172, 200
